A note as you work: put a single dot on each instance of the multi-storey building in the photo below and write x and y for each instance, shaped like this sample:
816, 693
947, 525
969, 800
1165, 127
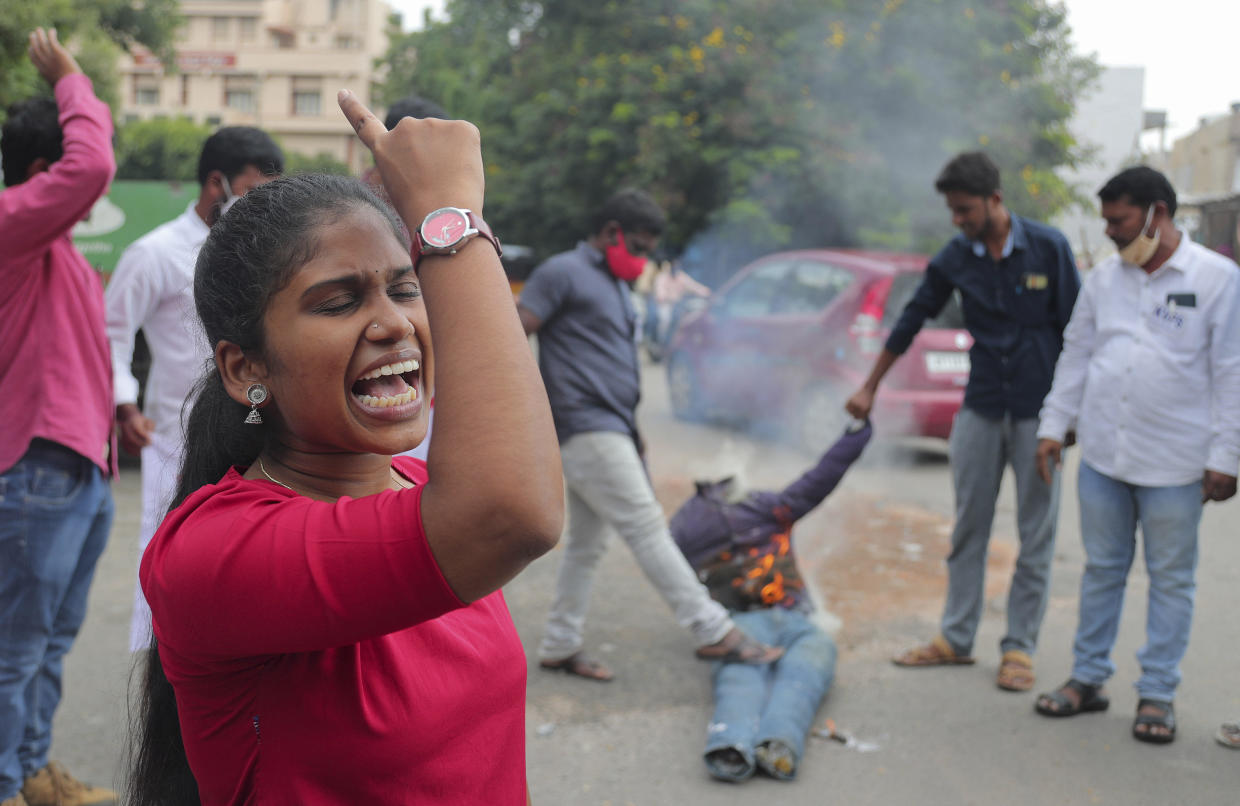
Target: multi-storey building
1206, 162
1204, 167
276, 64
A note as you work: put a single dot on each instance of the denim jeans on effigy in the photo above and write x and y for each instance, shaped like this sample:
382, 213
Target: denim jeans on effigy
55, 513
754, 704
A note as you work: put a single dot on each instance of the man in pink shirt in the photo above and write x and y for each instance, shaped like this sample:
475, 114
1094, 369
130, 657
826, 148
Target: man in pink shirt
56, 411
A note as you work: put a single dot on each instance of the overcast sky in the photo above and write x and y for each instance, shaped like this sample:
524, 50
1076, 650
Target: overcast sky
1188, 49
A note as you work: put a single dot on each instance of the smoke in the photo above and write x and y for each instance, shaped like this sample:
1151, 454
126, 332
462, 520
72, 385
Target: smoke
731, 460
888, 93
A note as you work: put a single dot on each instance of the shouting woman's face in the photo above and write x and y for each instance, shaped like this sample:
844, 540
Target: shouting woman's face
348, 353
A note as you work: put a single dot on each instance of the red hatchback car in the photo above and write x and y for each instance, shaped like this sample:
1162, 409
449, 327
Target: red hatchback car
792, 335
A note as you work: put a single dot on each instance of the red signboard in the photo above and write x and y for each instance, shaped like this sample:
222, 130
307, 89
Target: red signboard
191, 60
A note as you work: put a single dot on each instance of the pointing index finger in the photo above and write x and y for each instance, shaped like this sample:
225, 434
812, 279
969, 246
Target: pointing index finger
363, 121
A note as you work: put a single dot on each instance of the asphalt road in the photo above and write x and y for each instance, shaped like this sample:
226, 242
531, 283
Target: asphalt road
874, 551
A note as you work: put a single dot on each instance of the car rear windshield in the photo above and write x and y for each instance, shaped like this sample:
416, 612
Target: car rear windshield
902, 288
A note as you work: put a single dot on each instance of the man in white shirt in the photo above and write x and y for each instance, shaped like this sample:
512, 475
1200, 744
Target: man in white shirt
153, 289
1150, 377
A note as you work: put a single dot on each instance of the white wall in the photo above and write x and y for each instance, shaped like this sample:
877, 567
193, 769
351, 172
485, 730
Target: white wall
1109, 118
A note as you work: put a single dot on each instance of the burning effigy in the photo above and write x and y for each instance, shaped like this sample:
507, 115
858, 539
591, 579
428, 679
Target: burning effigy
740, 544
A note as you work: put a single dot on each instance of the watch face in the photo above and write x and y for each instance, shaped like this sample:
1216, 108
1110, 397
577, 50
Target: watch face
444, 227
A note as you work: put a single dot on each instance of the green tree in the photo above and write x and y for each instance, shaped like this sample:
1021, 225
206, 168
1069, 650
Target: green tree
760, 124
95, 30
165, 149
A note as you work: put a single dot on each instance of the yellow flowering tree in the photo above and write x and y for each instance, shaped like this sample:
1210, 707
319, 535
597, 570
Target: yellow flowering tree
759, 124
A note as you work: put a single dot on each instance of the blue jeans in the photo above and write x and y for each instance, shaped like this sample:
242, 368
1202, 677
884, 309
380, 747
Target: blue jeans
1110, 512
55, 513
754, 704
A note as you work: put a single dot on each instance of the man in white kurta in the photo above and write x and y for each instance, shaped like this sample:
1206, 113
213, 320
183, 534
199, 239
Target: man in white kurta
152, 289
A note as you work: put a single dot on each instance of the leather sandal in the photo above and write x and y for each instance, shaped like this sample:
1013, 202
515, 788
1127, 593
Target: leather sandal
739, 647
1165, 719
1229, 735
936, 653
1015, 671
580, 665
1088, 700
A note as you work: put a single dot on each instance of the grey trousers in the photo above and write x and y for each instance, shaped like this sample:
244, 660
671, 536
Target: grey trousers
608, 490
980, 448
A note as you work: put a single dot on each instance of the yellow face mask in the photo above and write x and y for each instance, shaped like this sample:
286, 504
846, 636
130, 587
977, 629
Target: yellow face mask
1143, 247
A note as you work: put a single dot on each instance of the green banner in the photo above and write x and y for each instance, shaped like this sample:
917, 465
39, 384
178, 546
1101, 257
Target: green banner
130, 210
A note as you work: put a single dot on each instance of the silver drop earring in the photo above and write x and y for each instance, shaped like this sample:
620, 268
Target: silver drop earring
256, 393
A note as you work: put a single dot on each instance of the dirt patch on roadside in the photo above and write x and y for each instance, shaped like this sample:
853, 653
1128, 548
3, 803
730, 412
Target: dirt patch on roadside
877, 562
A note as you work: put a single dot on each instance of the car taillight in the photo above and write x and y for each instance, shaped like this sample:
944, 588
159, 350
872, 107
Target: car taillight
865, 327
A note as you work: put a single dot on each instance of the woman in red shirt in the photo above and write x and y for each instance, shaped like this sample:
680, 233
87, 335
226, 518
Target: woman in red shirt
328, 622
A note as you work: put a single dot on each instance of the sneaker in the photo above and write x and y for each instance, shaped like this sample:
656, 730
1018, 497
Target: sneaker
54, 786
16, 800
776, 759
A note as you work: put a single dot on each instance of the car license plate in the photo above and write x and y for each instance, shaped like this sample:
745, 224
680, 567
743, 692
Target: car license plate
944, 363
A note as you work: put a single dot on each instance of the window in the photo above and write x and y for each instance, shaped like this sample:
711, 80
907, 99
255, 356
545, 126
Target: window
214, 121
307, 96
345, 42
903, 286
239, 93
220, 27
810, 287
241, 100
755, 295
307, 103
147, 95
247, 29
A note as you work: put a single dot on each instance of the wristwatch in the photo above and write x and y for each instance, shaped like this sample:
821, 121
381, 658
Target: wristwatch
446, 230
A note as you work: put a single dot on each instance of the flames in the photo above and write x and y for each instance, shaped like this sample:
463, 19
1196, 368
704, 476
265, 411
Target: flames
773, 592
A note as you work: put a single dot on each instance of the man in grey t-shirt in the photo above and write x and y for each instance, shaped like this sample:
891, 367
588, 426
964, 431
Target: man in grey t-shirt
578, 303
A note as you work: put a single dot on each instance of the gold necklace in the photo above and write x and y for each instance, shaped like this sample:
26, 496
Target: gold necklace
400, 480
263, 468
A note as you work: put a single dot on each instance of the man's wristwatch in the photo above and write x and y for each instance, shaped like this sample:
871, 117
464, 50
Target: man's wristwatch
446, 230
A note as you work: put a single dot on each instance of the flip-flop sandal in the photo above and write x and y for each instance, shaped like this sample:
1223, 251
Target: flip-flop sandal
1229, 735
581, 666
936, 653
1015, 671
1089, 700
739, 647
1164, 720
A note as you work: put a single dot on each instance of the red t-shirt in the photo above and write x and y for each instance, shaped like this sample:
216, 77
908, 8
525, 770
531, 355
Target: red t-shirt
319, 656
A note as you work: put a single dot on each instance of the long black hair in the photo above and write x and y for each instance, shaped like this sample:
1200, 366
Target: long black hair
250, 254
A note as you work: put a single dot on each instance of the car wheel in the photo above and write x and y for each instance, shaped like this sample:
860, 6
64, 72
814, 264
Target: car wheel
822, 417
682, 388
